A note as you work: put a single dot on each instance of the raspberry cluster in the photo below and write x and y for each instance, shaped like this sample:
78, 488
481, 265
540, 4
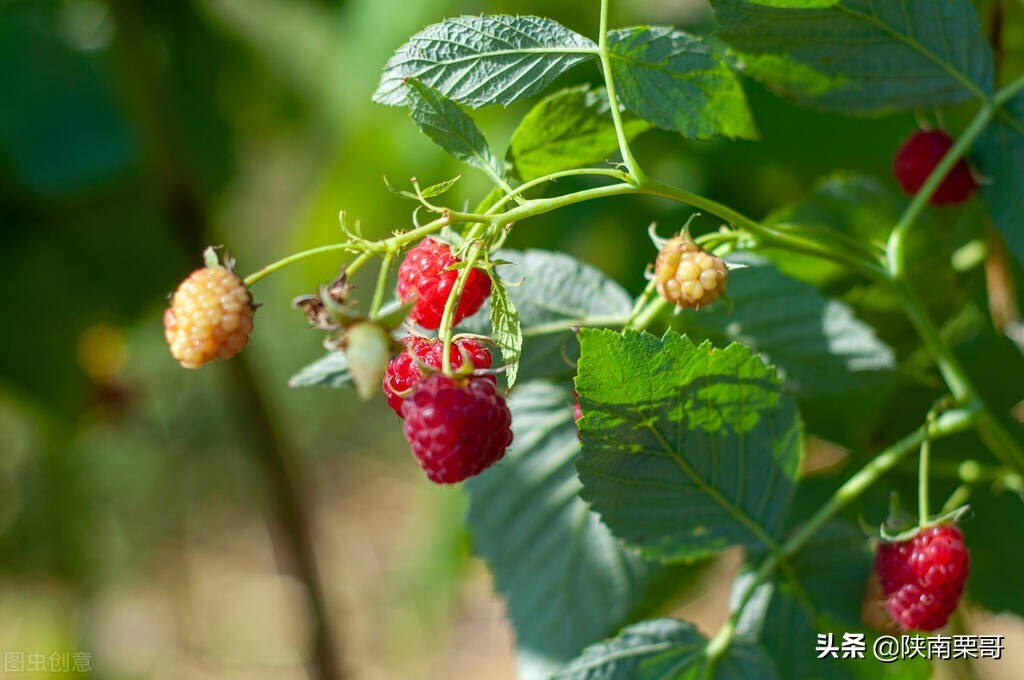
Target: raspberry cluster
688, 276
923, 578
403, 371
424, 275
210, 317
919, 155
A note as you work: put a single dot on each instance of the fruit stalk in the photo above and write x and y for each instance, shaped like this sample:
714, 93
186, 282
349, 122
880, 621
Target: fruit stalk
948, 423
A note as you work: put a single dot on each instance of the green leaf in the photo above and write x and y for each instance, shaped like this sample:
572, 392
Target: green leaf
678, 82
995, 561
449, 127
330, 370
567, 580
665, 648
999, 153
554, 288
480, 60
687, 449
571, 128
819, 590
818, 345
440, 188
505, 329
861, 56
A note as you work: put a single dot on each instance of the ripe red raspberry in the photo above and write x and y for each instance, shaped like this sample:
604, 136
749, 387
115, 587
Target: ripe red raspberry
456, 427
403, 372
687, 275
210, 317
923, 578
919, 155
422, 275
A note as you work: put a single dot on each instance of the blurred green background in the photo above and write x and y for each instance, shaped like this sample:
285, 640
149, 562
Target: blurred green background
161, 519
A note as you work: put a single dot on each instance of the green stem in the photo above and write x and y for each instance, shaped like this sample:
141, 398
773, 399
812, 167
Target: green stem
444, 331
895, 249
996, 438
767, 236
649, 313
948, 423
382, 282
540, 206
291, 259
563, 325
578, 172
641, 301
613, 99
922, 472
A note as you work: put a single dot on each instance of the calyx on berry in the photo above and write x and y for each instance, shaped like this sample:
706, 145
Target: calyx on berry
423, 356
687, 275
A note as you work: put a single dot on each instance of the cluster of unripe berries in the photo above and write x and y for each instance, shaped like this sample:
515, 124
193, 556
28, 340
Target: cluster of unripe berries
923, 578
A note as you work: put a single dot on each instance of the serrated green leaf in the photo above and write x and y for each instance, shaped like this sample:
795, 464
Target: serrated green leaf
548, 288
687, 449
505, 329
999, 153
817, 344
450, 127
567, 580
861, 56
665, 648
678, 82
571, 128
330, 370
480, 60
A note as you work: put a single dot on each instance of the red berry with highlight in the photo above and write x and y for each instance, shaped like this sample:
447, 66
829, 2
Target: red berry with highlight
924, 577
403, 372
424, 275
919, 155
456, 427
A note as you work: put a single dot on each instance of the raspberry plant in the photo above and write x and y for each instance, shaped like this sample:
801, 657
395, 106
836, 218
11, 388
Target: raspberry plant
688, 436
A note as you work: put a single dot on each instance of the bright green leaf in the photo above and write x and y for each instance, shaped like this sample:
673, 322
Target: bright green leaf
678, 82
440, 188
450, 127
999, 153
818, 345
567, 580
861, 56
666, 648
505, 329
552, 288
480, 60
571, 128
687, 449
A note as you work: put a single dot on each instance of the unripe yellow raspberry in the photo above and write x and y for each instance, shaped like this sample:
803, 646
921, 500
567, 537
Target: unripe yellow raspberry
687, 275
210, 317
